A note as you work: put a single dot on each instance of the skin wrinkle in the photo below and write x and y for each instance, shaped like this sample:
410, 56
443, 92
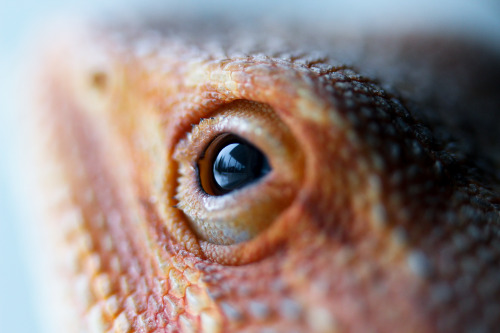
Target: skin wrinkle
391, 226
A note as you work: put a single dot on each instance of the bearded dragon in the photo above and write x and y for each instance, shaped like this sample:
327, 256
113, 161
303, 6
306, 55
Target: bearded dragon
375, 211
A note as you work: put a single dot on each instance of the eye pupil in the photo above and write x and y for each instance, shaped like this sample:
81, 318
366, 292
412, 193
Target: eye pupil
238, 164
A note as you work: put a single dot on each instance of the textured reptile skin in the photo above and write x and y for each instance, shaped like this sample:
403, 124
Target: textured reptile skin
374, 219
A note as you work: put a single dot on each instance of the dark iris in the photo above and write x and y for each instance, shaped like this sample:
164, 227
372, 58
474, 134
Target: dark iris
237, 163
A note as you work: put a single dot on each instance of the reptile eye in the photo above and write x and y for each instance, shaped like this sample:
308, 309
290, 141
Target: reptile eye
238, 171
231, 163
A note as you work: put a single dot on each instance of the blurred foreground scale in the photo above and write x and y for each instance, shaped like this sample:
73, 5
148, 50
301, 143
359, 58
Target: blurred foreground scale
381, 212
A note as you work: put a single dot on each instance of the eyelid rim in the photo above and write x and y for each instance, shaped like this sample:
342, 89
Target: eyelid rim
275, 191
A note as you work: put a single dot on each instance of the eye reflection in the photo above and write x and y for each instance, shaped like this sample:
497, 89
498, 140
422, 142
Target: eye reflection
231, 163
239, 164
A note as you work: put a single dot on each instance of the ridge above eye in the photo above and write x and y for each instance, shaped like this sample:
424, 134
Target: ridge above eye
231, 163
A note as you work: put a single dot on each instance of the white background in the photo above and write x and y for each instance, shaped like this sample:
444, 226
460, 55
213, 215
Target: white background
21, 19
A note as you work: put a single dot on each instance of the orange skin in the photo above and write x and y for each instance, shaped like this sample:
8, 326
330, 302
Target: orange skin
354, 230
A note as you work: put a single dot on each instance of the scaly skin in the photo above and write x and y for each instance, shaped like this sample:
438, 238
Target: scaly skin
372, 221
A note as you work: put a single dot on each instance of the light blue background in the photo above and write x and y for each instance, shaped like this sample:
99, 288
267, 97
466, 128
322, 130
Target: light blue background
19, 19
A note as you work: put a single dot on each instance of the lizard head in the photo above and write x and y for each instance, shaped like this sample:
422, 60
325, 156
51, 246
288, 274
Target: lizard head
230, 191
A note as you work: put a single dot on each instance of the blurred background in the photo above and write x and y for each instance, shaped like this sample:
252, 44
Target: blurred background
20, 21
